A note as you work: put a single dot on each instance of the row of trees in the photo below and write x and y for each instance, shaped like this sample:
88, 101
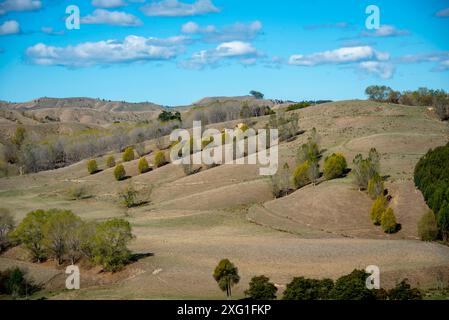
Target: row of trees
348, 287
439, 99
432, 178
65, 237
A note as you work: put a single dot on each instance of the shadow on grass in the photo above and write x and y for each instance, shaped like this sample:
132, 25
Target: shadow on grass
138, 256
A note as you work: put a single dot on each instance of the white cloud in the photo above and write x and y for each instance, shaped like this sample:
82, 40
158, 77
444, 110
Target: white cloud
175, 8
338, 56
131, 49
440, 58
338, 25
9, 27
108, 3
385, 31
116, 18
443, 13
235, 32
243, 52
19, 5
51, 31
384, 70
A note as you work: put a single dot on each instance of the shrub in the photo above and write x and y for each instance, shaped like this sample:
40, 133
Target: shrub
78, 193
159, 159
376, 186
377, 209
427, 227
110, 244
352, 287
13, 282
92, 166
404, 291
301, 175
19, 136
334, 166
119, 172
128, 196
143, 165
280, 182
308, 289
6, 226
128, 154
260, 288
110, 161
30, 233
443, 221
388, 221
364, 169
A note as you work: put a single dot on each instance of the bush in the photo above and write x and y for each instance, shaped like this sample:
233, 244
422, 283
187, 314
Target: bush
388, 221
335, 166
119, 172
129, 197
352, 287
110, 244
78, 193
308, 289
404, 291
143, 165
92, 166
365, 169
159, 159
110, 161
260, 288
128, 154
301, 175
376, 186
6, 226
13, 282
377, 209
427, 227
280, 182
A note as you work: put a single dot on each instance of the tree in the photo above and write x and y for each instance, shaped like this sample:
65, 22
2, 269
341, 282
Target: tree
57, 229
92, 167
301, 288
375, 186
13, 282
260, 288
159, 159
427, 227
377, 209
128, 154
280, 182
119, 172
6, 226
143, 165
226, 275
334, 166
352, 287
110, 244
443, 221
30, 232
388, 221
168, 116
19, 136
404, 291
364, 169
256, 94
128, 196
301, 175
110, 161
378, 93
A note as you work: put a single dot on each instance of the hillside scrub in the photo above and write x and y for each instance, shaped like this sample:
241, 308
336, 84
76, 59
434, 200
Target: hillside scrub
335, 166
14, 282
119, 172
6, 226
92, 166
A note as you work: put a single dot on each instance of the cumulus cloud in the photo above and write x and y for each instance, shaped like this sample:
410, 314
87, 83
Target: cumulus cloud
384, 70
116, 18
108, 3
385, 31
243, 52
338, 56
235, 32
175, 8
19, 5
9, 27
131, 49
442, 13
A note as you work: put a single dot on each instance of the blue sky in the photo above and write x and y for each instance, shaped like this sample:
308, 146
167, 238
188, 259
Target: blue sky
175, 52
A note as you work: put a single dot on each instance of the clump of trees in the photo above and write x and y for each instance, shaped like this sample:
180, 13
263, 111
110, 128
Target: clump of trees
63, 236
226, 275
14, 282
431, 176
365, 169
438, 99
256, 94
335, 166
301, 288
307, 168
287, 125
6, 226
119, 172
260, 288
169, 116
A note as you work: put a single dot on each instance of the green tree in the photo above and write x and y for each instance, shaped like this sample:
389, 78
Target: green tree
352, 287
334, 166
128, 154
443, 221
92, 166
260, 288
30, 232
110, 161
301, 288
226, 275
388, 221
427, 227
256, 94
377, 209
13, 282
364, 169
119, 172
280, 182
375, 186
110, 244
143, 165
6, 226
378, 93
159, 159
404, 291
301, 175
